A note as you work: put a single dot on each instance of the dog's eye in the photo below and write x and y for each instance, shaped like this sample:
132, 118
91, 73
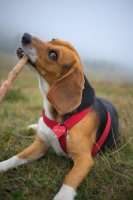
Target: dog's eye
53, 55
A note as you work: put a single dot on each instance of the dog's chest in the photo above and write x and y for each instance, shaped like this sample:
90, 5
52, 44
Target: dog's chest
47, 135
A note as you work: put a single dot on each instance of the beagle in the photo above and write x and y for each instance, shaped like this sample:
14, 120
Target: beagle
74, 122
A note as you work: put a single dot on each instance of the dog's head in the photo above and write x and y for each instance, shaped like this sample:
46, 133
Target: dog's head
59, 64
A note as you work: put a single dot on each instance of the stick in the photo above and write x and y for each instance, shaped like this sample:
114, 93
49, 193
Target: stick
12, 75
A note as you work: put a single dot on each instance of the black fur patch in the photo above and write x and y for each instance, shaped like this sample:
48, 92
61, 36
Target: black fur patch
87, 99
100, 106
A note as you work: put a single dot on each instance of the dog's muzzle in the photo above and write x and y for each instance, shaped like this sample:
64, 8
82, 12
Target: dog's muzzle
26, 41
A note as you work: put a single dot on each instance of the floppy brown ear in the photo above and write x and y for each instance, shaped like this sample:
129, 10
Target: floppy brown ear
66, 93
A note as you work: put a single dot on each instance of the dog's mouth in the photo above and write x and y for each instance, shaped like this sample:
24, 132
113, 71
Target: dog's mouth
20, 53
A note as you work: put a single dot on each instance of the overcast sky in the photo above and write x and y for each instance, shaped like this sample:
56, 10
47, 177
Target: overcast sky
98, 29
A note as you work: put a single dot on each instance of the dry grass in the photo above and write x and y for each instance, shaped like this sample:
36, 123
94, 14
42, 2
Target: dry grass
112, 175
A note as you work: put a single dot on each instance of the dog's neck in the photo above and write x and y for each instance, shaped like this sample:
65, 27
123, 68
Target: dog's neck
44, 88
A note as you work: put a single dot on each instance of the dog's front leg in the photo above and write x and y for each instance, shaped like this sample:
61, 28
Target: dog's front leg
33, 152
82, 165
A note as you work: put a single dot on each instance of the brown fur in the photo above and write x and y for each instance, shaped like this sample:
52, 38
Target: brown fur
35, 150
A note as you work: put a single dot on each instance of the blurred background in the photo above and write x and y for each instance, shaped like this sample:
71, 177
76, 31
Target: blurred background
100, 30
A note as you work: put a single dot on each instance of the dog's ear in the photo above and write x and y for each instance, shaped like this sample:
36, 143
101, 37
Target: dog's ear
66, 93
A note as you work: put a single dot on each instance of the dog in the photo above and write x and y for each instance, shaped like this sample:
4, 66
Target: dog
74, 122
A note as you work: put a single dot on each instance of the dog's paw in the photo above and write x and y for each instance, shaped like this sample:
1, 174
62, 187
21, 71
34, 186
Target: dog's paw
12, 162
3, 167
66, 193
32, 126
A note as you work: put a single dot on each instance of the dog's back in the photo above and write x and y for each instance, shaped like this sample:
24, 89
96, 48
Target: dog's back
101, 106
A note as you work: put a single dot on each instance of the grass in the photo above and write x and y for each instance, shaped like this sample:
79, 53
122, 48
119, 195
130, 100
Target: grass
112, 175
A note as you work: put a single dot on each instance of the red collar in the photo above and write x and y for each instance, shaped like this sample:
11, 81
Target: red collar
61, 129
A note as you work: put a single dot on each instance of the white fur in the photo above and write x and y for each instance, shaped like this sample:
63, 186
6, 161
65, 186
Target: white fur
31, 52
66, 193
44, 88
47, 135
12, 162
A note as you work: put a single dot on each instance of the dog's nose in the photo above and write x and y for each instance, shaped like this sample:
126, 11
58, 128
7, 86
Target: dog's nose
26, 39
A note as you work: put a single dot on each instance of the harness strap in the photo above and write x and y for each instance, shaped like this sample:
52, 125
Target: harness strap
70, 122
97, 146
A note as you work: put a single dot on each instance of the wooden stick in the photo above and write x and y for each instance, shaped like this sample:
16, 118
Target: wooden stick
12, 75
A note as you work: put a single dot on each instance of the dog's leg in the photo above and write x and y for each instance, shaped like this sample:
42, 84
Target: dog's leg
82, 165
33, 152
79, 148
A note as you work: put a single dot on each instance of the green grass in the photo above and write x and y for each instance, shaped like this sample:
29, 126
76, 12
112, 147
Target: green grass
112, 175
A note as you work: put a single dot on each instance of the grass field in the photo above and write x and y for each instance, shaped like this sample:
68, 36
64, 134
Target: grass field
112, 175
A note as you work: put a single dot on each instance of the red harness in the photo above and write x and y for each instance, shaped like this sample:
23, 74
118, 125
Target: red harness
60, 130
